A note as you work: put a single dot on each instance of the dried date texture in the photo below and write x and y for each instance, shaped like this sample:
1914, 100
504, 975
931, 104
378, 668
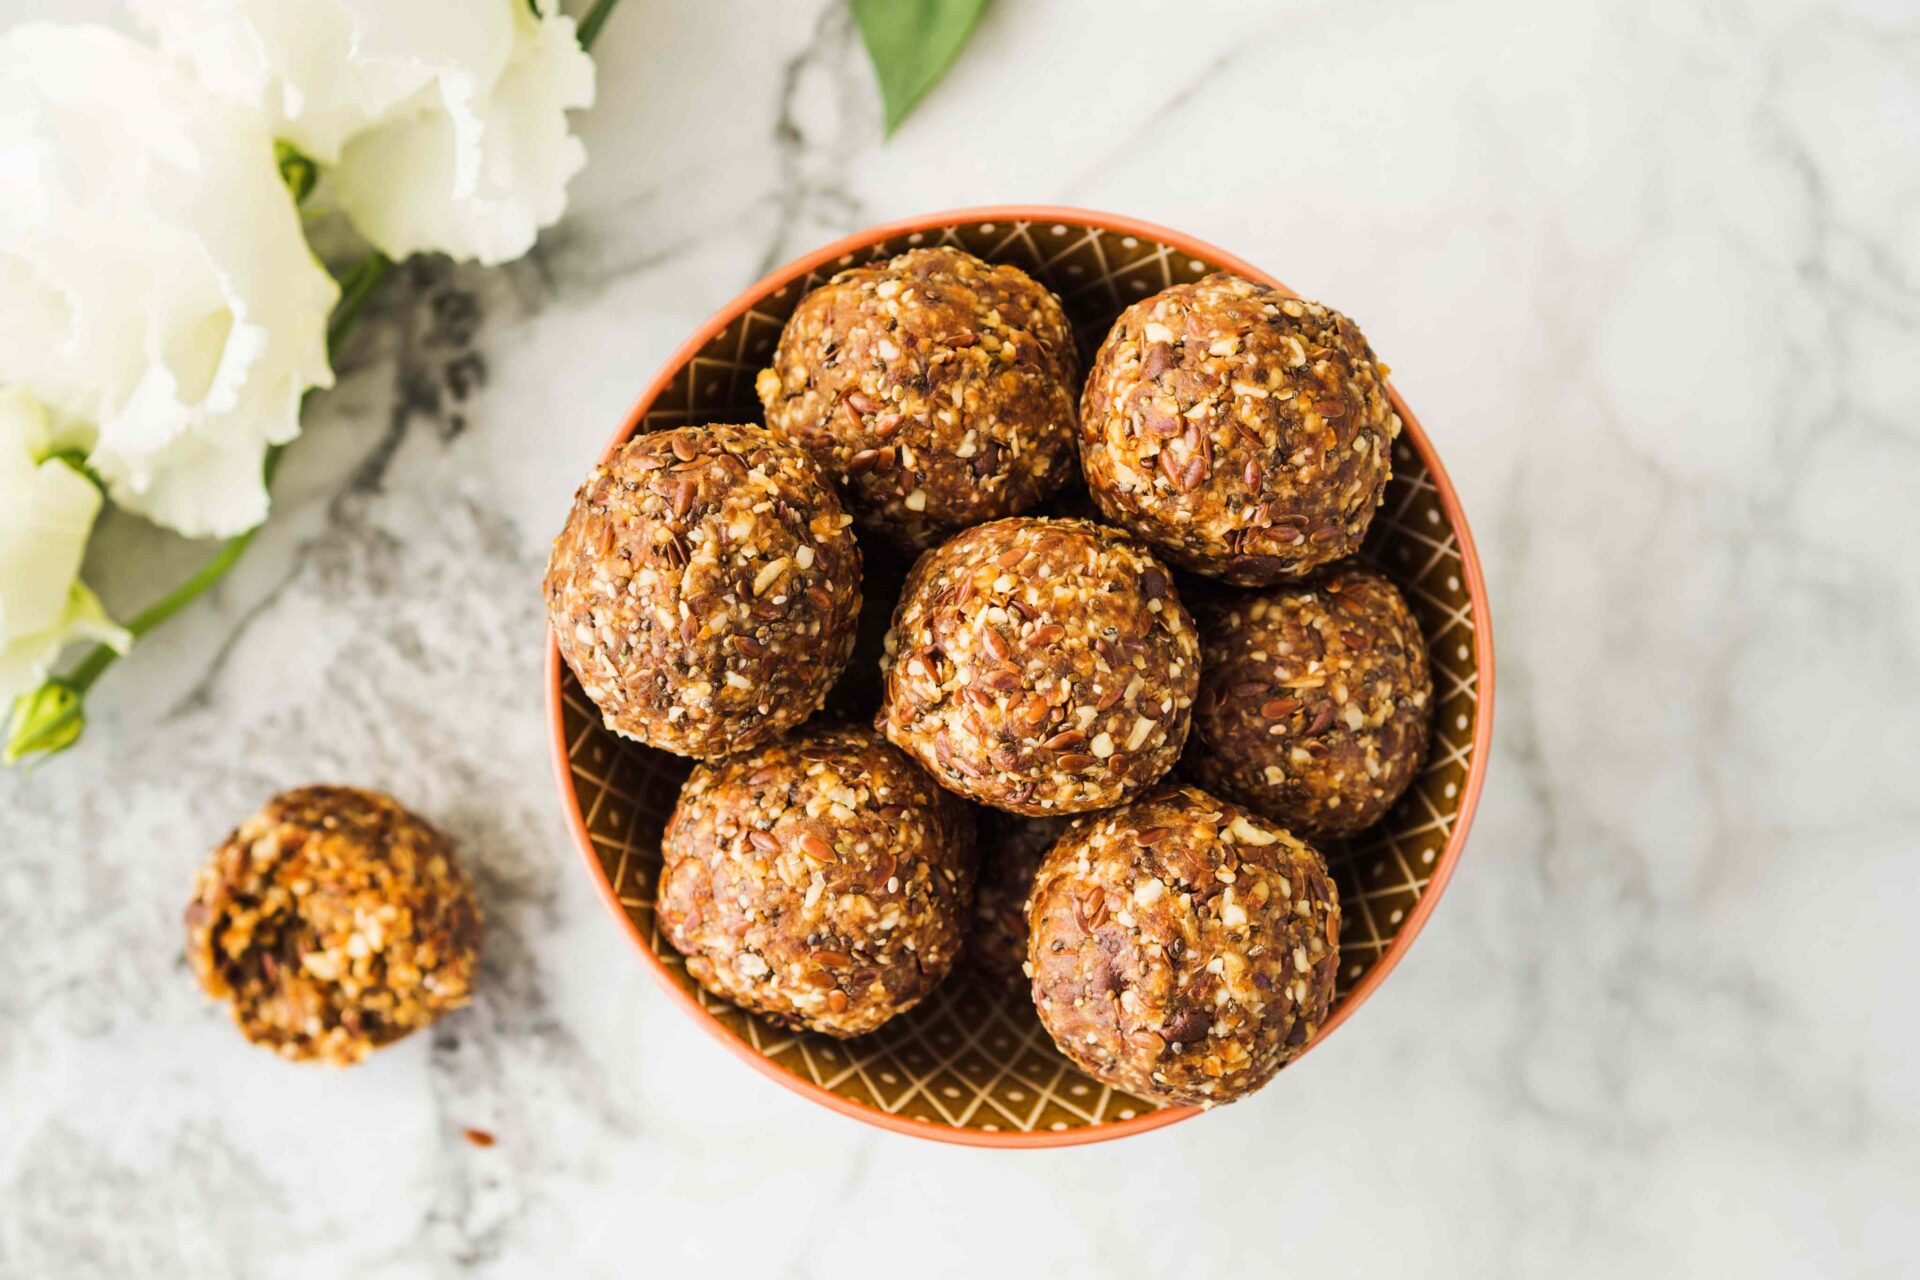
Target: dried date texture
1245, 434
1315, 702
1010, 852
1040, 666
1183, 948
822, 881
705, 589
936, 388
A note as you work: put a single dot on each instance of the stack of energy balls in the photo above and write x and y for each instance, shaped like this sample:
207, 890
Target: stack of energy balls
1041, 678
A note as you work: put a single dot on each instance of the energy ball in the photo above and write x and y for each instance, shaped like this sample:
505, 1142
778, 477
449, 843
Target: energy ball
1244, 433
1010, 852
1040, 666
333, 922
937, 388
822, 880
1183, 948
705, 589
1314, 702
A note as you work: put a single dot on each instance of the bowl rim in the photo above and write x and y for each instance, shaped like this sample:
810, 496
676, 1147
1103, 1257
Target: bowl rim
1471, 575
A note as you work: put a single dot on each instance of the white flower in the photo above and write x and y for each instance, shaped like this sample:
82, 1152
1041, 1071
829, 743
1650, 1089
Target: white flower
46, 512
443, 122
158, 291
479, 186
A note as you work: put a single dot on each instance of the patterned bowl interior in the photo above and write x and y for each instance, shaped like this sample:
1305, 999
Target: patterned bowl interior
969, 1058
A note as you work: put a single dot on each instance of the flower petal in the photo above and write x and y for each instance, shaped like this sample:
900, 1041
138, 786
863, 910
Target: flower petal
46, 514
323, 70
172, 306
477, 181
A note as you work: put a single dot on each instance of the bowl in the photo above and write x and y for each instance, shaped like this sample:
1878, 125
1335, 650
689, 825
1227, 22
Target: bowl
970, 1065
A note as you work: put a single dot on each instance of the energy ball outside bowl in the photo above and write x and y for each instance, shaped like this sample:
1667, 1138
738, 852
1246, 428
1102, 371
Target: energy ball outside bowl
1244, 433
1315, 702
821, 881
1041, 666
1011, 848
705, 589
333, 922
1183, 948
937, 388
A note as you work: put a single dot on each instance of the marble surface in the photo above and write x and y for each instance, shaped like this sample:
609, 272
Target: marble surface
1650, 272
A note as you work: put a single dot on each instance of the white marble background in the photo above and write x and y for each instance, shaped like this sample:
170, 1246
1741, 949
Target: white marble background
1649, 271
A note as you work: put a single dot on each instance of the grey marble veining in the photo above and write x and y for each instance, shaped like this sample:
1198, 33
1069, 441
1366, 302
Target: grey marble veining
1650, 274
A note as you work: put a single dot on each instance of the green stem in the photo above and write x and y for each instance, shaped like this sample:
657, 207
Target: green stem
100, 657
596, 17
184, 594
354, 292
355, 289
358, 286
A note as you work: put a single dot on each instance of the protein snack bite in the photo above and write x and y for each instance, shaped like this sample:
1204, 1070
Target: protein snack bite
1010, 852
1315, 701
822, 880
1183, 948
705, 589
1040, 666
1245, 434
333, 922
938, 389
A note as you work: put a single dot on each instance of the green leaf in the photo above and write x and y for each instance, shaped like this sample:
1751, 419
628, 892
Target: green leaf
912, 43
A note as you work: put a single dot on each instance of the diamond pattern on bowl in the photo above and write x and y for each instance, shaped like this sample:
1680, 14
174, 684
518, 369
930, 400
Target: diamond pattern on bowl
970, 1058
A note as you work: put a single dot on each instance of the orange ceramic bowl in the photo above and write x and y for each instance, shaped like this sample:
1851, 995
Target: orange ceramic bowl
970, 1065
